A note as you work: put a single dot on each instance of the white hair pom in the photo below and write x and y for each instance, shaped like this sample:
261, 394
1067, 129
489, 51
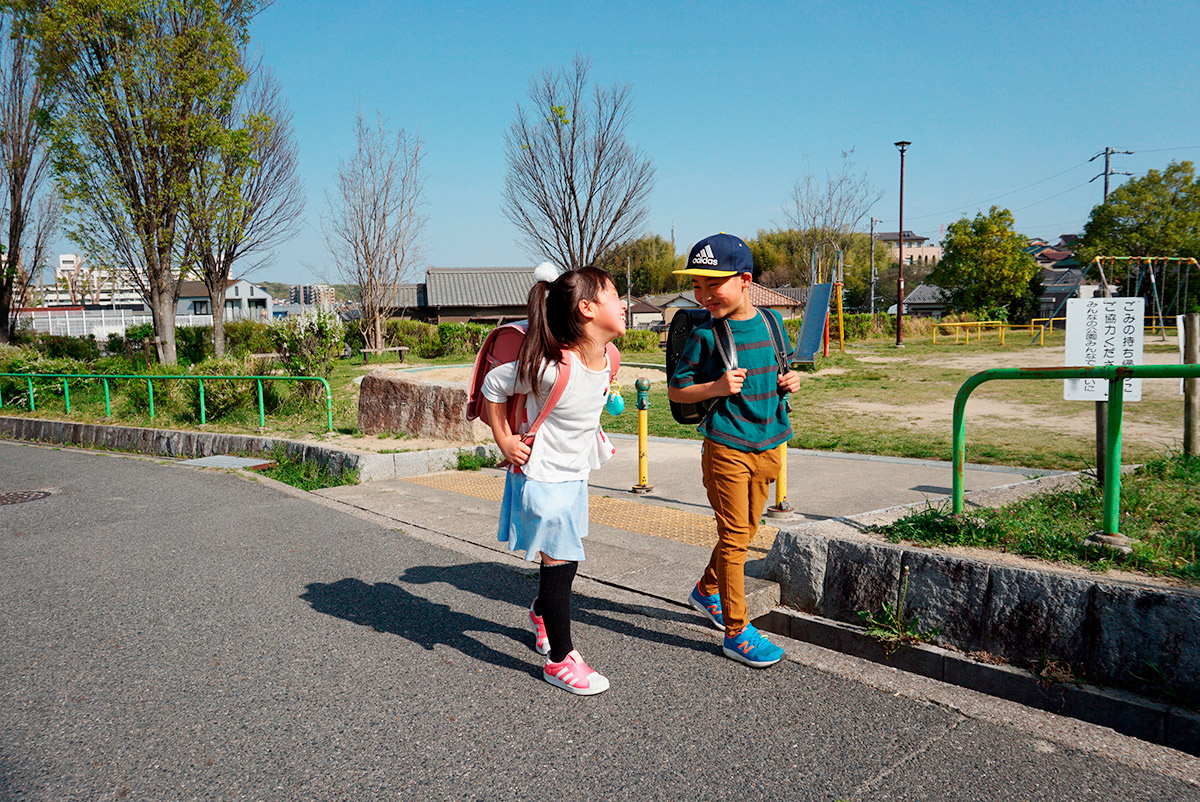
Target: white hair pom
546, 271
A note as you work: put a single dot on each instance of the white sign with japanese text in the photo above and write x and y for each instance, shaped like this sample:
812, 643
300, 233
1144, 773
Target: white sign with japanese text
1104, 331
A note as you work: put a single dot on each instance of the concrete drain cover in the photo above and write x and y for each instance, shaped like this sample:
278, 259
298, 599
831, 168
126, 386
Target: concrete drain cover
21, 496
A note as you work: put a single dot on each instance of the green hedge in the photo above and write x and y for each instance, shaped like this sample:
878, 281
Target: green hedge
638, 340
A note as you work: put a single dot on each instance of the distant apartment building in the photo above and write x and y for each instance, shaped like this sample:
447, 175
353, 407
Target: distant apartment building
916, 251
313, 295
77, 283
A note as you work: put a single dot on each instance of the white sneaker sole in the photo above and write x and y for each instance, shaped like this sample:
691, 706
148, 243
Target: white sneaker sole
741, 658
597, 683
700, 608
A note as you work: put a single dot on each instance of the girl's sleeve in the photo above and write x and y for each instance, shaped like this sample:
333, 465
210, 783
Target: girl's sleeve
501, 382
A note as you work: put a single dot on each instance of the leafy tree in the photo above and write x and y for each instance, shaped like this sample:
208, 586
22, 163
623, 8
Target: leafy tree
26, 207
777, 258
1155, 215
244, 196
575, 187
651, 260
136, 91
984, 268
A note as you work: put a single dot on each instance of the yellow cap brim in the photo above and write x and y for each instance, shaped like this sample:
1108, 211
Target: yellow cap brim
700, 271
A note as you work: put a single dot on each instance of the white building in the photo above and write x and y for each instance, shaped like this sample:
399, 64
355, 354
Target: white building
242, 300
916, 251
77, 283
313, 294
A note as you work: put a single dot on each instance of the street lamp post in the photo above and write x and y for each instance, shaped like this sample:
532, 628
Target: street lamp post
902, 146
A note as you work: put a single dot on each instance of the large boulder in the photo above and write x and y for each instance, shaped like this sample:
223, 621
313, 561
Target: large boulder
393, 402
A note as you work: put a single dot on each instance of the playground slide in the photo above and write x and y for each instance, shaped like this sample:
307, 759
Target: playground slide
812, 329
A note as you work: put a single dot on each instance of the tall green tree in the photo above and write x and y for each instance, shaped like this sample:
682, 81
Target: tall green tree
28, 209
136, 91
244, 196
1157, 214
984, 267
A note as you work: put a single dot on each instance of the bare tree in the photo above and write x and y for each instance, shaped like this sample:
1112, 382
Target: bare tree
30, 208
137, 90
245, 195
829, 210
373, 220
575, 187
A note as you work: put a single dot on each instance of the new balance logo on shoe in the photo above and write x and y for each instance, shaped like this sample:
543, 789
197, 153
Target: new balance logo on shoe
705, 257
745, 646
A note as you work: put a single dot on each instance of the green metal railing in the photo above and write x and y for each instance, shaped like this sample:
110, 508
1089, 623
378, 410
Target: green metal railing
1114, 375
149, 380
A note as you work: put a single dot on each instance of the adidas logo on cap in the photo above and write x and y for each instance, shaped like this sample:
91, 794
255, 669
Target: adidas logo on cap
705, 257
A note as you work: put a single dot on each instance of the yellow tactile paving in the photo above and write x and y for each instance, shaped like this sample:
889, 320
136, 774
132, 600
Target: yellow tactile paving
631, 516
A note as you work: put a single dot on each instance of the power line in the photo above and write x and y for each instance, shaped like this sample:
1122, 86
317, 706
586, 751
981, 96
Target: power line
1004, 194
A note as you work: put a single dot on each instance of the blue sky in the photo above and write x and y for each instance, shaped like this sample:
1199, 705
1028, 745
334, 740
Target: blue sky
1004, 103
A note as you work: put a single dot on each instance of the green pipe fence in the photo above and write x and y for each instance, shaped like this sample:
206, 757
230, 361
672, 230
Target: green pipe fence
149, 380
1115, 375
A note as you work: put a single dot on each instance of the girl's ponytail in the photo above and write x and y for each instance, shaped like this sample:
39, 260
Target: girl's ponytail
540, 345
554, 320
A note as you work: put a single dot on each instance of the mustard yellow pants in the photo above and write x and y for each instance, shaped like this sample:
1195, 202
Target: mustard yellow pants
737, 483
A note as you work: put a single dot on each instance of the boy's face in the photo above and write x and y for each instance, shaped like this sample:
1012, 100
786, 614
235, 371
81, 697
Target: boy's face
724, 296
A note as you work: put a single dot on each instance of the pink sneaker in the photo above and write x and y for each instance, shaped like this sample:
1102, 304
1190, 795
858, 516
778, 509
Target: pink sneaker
541, 640
575, 676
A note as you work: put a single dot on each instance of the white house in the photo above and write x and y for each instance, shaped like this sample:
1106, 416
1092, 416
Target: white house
242, 300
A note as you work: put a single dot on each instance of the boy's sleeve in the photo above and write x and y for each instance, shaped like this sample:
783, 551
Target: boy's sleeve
690, 360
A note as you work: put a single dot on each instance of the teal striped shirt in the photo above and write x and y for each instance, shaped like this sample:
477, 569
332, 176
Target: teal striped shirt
756, 419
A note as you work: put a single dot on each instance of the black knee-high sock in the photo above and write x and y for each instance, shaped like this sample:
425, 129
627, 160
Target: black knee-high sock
554, 601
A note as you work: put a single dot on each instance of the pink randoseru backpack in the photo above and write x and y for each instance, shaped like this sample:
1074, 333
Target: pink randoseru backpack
502, 345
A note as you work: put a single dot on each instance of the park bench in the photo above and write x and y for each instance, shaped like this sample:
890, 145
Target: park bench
400, 350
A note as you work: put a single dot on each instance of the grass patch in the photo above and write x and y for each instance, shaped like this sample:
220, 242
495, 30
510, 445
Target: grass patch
473, 460
1159, 507
306, 475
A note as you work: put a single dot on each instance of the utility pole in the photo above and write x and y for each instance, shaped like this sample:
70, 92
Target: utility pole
1104, 292
874, 275
902, 146
628, 296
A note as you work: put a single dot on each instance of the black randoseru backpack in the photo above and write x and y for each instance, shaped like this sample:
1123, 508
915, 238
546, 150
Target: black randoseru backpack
677, 335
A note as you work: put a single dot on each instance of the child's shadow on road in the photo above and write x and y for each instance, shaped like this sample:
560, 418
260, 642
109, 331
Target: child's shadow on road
390, 608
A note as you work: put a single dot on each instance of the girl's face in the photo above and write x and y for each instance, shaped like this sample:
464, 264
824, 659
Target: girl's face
607, 313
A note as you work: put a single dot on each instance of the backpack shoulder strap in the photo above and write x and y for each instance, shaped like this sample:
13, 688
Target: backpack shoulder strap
777, 338
614, 361
723, 341
560, 384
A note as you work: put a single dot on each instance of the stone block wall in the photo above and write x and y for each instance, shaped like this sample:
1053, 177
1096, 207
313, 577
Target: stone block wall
1125, 635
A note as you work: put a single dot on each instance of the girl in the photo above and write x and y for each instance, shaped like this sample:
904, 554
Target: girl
573, 316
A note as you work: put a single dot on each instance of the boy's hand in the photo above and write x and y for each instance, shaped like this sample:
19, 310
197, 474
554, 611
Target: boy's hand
730, 382
514, 449
790, 381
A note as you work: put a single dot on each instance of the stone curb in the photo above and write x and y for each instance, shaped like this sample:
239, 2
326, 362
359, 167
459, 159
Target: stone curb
1123, 712
190, 444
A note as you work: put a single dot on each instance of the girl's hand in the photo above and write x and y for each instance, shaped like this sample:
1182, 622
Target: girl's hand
730, 382
790, 381
514, 449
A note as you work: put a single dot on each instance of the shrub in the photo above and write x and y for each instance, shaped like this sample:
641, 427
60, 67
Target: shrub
222, 398
59, 346
308, 343
166, 394
461, 339
248, 337
638, 340
193, 343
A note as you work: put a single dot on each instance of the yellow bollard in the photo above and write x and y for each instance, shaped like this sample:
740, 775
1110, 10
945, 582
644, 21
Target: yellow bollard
643, 405
781, 509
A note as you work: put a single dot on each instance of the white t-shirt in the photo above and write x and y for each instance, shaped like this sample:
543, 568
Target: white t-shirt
570, 442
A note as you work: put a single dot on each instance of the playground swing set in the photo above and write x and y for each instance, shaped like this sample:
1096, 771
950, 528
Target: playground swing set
1164, 281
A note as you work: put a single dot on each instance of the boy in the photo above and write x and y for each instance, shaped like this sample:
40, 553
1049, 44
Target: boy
742, 431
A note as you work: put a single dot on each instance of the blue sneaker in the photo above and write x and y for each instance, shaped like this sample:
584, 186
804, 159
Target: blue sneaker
709, 606
752, 648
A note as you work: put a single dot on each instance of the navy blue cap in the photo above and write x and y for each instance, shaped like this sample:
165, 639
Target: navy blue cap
718, 256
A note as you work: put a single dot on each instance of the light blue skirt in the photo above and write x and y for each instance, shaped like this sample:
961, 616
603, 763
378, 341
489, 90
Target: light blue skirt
547, 517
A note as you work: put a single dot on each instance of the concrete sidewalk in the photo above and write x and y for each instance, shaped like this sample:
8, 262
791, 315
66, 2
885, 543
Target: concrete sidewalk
659, 543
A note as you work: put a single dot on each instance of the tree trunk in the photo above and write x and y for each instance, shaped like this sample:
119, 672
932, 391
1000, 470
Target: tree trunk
217, 299
162, 307
7, 318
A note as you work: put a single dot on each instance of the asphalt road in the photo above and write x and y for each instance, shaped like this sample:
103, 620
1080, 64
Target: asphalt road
178, 634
